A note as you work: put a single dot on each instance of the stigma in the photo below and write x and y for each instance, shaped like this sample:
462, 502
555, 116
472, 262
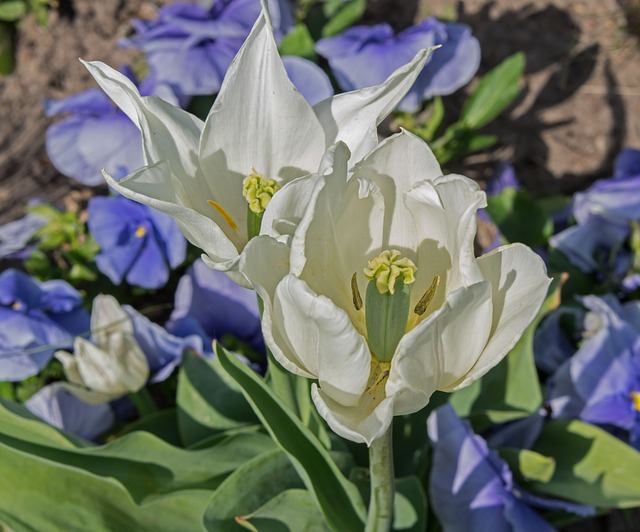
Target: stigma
387, 268
258, 191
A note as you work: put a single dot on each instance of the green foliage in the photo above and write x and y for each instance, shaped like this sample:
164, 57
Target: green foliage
336, 496
12, 10
65, 250
529, 465
591, 465
341, 15
298, 42
519, 217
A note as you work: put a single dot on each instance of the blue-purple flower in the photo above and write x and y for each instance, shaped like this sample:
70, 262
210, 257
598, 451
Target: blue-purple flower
138, 244
308, 78
37, 318
471, 487
210, 305
601, 382
16, 235
190, 46
57, 406
95, 135
365, 55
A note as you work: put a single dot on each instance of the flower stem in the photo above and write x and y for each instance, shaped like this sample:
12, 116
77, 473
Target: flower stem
380, 515
143, 401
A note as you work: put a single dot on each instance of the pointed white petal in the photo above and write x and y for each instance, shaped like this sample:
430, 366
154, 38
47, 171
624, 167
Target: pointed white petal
324, 340
107, 317
352, 117
168, 132
519, 284
259, 120
153, 186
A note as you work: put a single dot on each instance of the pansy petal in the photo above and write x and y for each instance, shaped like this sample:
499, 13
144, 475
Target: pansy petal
150, 270
308, 78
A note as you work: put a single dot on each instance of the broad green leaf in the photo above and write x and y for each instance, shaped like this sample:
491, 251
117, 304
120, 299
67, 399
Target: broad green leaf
7, 58
145, 465
410, 505
162, 424
528, 465
298, 42
495, 92
336, 496
206, 402
511, 390
519, 217
248, 488
346, 15
592, 466
293, 510
12, 10
38, 494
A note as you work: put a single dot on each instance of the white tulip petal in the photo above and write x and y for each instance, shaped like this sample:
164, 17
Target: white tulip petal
352, 117
259, 120
519, 285
323, 337
107, 317
70, 367
442, 348
356, 423
168, 132
153, 186
265, 261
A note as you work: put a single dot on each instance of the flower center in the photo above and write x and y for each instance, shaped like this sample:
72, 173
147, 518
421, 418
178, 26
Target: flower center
141, 231
258, 191
635, 400
17, 306
387, 268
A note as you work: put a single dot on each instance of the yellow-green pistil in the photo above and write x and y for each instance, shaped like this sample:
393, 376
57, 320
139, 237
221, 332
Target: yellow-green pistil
258, 192
387, 302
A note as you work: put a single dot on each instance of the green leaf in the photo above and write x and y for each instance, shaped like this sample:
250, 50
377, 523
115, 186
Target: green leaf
592, 466
338, 499
39, 494
248, 488
206, 402
410, 505
12, 10
292, 509
511, 390
495, 92
344, 16
528, 465
7, 58
298, 42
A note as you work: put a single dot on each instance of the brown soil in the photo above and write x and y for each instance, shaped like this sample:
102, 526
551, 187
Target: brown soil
579, 107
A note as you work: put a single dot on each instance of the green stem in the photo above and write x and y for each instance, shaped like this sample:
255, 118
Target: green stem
7, 391
380, 517
143, 401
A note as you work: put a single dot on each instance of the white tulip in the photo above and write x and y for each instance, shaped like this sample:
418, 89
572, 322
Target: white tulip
113, 364
380, 298
216, 178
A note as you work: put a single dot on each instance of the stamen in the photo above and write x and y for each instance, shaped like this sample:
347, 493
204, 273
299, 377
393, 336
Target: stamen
428, 296
387, 267
141, 231
635, 399
355, 293
224, 214
16, 305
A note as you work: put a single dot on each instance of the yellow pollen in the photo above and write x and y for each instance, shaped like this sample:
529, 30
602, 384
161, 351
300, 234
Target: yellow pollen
258, 191
635, 399
140, 231
387, 267
224, 214
16, 305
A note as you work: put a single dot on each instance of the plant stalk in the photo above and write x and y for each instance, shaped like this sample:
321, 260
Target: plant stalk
380, 517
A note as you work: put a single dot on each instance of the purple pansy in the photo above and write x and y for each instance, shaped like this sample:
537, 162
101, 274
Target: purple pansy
604, 214
601, 382
163, 350
363, 56
308, 78
471, 487
16, 235
191, 46
138, 244
552, 345
37, 318
60, 408
210, 305
96, 135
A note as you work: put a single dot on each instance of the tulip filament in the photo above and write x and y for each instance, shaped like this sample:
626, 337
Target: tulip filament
427, 298
224, 214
